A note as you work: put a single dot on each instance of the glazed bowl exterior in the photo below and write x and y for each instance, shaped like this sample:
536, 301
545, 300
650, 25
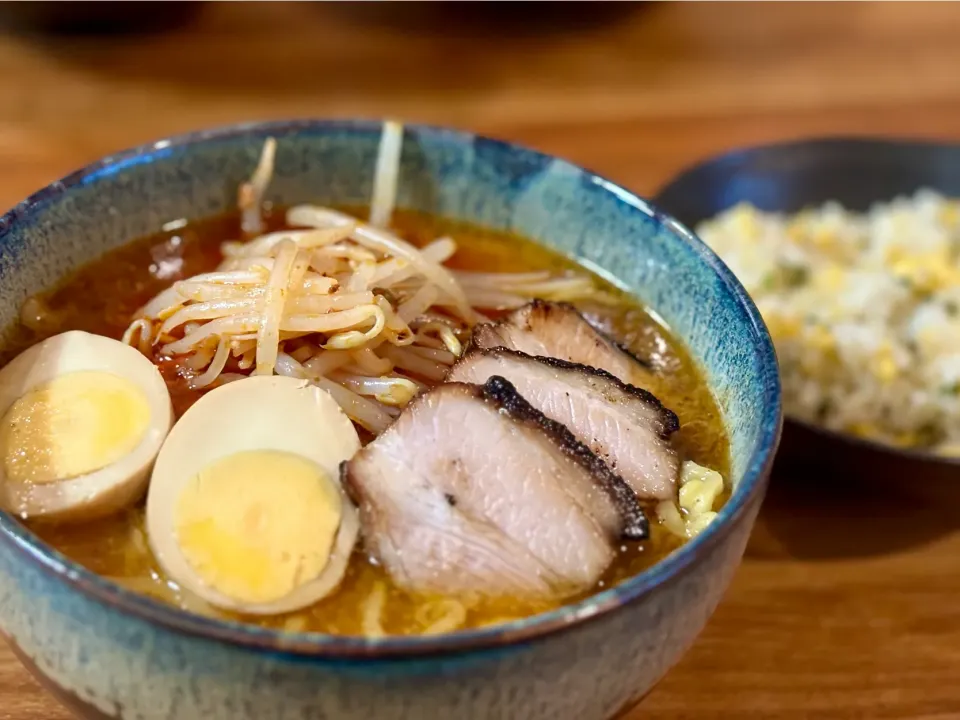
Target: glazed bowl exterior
856, 172
111, 654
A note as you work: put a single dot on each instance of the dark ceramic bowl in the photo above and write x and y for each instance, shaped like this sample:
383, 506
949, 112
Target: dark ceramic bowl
81, 17
788, 177
109, 653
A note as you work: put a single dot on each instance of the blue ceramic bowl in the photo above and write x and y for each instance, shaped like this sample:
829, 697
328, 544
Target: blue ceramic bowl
109, 653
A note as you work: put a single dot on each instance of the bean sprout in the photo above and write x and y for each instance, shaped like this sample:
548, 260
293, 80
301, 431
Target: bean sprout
250, 195
347, 304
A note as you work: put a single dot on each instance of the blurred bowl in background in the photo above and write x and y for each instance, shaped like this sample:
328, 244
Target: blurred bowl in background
483, 18
93, 18
788, 177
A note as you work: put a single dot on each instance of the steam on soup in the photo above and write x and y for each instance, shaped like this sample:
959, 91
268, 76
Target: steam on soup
395, 425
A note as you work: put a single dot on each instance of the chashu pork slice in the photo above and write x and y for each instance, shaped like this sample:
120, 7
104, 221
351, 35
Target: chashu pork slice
625, 426
549, 329
472, 490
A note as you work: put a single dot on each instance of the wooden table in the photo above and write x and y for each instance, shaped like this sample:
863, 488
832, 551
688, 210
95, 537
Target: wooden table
847, 603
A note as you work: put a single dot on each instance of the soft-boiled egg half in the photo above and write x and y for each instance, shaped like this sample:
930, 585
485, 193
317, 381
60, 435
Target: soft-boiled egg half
82, 418
245, 507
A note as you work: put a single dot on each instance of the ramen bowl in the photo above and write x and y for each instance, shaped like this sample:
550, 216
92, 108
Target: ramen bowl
109, 653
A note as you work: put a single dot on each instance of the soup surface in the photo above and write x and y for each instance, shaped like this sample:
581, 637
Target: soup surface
103, 297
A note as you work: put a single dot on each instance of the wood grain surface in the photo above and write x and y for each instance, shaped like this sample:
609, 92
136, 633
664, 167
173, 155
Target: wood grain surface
847, 602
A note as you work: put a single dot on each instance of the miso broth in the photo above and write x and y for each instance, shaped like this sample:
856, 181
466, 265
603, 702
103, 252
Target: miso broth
103, 296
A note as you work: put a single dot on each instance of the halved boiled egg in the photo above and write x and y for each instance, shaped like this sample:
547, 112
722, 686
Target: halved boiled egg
245, 507
82, 418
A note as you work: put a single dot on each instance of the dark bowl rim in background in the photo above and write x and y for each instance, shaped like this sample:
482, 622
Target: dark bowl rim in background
320, 647
732, 154
732, 157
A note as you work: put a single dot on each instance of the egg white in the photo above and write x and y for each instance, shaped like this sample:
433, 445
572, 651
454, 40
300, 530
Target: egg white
256, 413
109, 489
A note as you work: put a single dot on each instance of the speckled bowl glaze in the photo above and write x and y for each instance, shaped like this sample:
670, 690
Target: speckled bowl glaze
108, 653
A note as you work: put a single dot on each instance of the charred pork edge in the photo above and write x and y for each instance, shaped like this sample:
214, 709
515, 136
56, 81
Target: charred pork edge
547, 307
642, 362
668, 418
479, 329
500, 392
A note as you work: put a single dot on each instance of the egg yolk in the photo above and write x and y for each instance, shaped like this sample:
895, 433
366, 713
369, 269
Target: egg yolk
258, 524
72, 425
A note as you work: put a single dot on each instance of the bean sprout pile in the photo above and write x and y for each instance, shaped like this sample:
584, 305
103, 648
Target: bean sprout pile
342, 302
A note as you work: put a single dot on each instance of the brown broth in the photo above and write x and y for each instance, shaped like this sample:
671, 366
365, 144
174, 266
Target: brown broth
102, 296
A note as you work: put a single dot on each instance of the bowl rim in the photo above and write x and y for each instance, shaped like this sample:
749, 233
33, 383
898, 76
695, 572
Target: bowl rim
733, 156
739, 152
319, 646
